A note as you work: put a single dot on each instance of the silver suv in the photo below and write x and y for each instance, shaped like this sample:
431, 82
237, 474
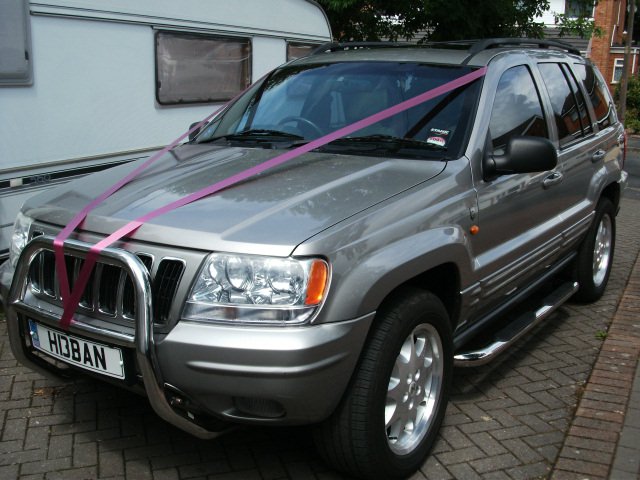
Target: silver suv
420, 194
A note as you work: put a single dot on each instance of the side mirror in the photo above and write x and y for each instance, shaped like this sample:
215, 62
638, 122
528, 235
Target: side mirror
523, 155
195, 133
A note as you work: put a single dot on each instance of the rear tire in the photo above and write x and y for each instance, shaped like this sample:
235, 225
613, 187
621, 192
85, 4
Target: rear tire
395, 404
595, 256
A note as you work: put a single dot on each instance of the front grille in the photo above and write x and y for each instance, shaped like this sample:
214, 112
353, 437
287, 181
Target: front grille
110, 291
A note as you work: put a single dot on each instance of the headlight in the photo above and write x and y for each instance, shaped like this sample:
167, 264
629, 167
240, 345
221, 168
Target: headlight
258, 290
19, 238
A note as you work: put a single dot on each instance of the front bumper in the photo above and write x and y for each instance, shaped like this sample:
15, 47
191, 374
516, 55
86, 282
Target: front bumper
198, 371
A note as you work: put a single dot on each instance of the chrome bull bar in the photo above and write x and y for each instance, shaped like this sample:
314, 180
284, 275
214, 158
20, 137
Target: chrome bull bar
142, 340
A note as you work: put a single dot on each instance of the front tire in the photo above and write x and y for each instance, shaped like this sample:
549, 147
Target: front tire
595, 256
395, 404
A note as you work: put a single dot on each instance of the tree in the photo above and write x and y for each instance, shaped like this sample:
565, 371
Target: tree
439, 19
576, 20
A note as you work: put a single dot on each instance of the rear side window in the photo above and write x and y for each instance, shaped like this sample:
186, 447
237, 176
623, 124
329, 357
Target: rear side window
598, 94
200, 68
517, 110
569, 110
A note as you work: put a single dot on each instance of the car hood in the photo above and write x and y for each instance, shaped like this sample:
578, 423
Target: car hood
270, 213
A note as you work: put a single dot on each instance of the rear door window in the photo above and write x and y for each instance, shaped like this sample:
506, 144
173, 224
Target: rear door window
598, 94
569, 112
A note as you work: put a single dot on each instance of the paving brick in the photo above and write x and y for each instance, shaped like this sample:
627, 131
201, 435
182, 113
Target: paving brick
252, 475
432, 469
111, 463
455, 438
461, 455
85, 473
166, 474
586, 455
582, 467
60, 446
497, 462
627, 460
593, 434
33, 476
589, 444
14, 429
203, 469
19, 456
85, 454
9, 471
175, 459
45, 466
464, 471
514, 432
488, 444
36, 438
613, 417
601, 425
530, 470
138, 469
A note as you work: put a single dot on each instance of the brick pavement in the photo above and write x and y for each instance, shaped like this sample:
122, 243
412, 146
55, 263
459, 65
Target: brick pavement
604, 438
511, 419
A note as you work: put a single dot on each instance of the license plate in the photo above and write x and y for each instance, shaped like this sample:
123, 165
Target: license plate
92, 356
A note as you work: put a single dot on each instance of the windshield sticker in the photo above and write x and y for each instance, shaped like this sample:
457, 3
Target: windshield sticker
439, 132
439, 141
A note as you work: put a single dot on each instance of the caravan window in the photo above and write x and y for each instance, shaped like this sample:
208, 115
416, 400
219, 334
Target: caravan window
15, 43
194, 68
299, 50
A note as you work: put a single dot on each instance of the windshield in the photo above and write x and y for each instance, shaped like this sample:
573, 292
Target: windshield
299, 103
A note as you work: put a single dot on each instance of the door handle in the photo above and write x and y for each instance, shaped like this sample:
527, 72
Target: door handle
553, 179
598, 155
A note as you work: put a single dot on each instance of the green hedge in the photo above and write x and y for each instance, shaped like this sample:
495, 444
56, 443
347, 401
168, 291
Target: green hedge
632, 117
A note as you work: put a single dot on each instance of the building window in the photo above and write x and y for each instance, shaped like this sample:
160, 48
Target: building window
577, 8
618, 67
15, 43
193, 68
299, 50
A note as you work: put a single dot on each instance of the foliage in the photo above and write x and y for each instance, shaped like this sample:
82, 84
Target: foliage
632, 115
582, 27
435, 20
601, 334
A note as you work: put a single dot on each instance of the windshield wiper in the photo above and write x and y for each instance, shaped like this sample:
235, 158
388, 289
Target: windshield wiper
384, 142
258, 135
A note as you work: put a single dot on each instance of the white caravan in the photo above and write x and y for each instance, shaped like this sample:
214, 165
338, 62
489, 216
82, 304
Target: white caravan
87, 84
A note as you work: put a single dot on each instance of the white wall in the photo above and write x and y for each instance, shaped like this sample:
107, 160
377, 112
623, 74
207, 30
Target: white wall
556, 6
267, 54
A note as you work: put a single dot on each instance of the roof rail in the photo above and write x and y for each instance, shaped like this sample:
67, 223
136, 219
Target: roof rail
485, 44
472, 46
341, 46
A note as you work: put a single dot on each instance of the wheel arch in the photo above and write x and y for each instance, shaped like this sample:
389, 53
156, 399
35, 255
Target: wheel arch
612, 192
443, 281
441, 265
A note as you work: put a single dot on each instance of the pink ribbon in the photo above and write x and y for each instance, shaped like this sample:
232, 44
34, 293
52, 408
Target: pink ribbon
72, 299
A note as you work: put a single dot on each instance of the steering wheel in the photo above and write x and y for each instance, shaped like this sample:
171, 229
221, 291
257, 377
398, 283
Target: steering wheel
302, 123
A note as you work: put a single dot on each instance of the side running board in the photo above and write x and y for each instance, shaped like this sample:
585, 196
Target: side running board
516, 329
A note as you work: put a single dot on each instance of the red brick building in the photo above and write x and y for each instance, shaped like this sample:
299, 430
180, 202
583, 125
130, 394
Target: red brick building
607, 51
